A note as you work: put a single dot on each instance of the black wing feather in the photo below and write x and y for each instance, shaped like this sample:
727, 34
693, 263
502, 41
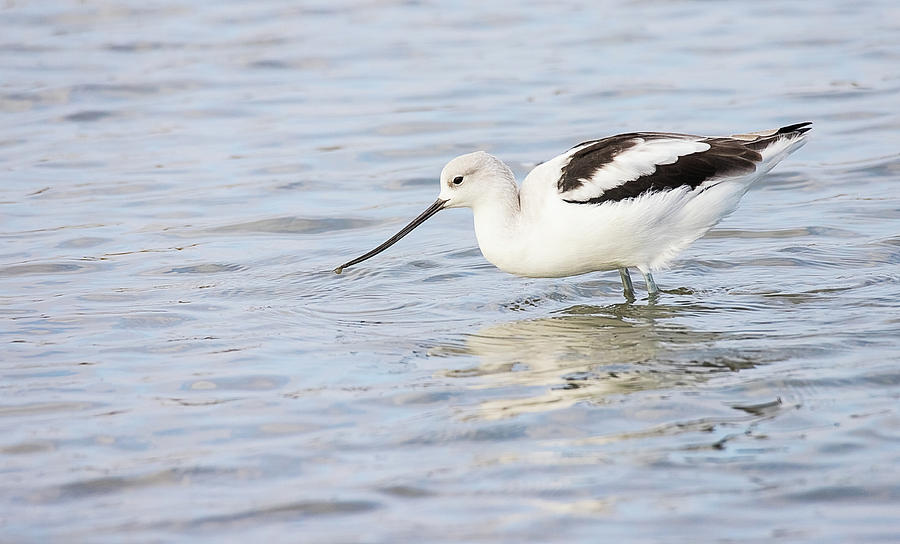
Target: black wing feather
723, 158
598, 153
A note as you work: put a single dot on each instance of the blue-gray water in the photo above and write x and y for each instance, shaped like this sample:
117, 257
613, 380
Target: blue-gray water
177, 180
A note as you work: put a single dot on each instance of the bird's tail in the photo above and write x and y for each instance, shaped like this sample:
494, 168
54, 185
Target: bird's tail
788, 131
776, 144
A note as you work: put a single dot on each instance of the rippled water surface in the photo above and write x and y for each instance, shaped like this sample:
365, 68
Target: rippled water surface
177, 180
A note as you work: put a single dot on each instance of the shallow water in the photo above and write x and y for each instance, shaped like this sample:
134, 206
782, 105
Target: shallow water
179, 362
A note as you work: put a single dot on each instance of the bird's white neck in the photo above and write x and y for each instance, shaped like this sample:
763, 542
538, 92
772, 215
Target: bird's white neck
497, 223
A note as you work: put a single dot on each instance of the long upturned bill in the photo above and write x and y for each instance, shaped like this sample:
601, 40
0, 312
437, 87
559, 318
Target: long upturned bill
433, 209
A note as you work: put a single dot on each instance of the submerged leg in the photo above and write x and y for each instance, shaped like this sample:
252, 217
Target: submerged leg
626, 283
652, 289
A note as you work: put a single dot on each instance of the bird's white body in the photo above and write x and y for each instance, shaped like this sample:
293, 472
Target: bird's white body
531, 231
630, 200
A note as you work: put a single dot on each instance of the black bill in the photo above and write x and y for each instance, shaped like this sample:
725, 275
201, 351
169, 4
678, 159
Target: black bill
433, 209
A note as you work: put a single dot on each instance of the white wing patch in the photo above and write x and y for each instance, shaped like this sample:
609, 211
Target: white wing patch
632, 163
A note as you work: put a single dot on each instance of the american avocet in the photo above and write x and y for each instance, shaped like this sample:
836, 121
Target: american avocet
631, 200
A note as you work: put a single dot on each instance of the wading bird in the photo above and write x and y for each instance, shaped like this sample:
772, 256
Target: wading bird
628, 201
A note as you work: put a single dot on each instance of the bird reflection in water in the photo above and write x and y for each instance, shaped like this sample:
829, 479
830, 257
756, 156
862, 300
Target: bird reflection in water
584, 354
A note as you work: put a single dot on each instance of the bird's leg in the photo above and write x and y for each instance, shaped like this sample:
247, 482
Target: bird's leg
626, 283
652, 289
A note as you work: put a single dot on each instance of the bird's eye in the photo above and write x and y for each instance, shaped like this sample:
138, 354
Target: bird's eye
457, 180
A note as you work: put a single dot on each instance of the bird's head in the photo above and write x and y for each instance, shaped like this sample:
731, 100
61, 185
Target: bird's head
472, 178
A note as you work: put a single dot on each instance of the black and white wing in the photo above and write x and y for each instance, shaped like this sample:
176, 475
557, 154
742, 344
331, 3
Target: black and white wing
629, 165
